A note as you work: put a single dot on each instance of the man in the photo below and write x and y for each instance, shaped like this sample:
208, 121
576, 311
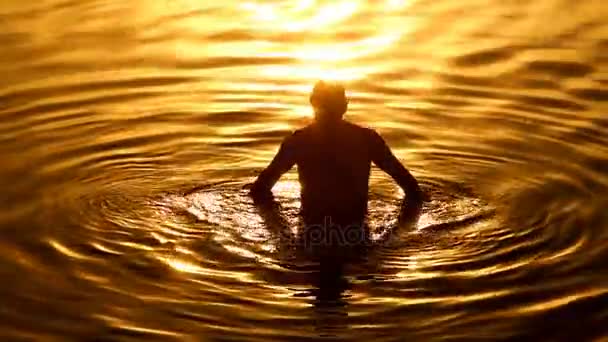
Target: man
334, 159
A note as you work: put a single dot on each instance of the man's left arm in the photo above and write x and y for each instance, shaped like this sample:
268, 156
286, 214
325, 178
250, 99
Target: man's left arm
384, 158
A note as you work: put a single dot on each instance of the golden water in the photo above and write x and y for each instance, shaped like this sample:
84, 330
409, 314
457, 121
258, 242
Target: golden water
127, 129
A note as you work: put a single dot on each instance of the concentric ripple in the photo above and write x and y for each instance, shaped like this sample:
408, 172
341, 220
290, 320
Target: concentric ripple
128, 130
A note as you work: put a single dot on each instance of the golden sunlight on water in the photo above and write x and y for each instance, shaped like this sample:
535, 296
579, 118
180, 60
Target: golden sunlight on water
315, 36
328, 58
128, 130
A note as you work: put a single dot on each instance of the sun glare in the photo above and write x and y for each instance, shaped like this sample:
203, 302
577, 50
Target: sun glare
328, 15
298, 18
317, 39
321, 53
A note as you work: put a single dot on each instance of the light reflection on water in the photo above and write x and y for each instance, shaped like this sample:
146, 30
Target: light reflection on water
128, 129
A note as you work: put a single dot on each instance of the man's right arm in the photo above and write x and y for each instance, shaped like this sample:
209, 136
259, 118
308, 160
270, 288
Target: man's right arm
281, 163
384, 158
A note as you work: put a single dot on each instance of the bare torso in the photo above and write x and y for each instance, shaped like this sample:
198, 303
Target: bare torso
333, 167
334, 164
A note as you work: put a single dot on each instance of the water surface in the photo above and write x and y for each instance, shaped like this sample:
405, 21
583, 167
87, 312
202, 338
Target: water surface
128, 128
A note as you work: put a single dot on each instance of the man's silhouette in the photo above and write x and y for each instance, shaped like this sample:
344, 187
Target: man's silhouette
334, 159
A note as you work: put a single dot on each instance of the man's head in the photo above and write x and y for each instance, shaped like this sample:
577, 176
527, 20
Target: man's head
329, 101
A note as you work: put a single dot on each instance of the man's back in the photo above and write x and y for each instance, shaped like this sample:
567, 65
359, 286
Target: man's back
333, 158
333, 167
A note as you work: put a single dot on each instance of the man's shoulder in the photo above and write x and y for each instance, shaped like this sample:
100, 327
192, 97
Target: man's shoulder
365, 131
300, 133
354, 130
302, 130
296, 137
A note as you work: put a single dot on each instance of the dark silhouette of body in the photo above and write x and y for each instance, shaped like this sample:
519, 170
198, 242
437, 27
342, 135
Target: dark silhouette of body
334, 159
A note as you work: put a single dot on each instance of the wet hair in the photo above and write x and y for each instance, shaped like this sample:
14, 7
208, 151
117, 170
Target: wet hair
329, 99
